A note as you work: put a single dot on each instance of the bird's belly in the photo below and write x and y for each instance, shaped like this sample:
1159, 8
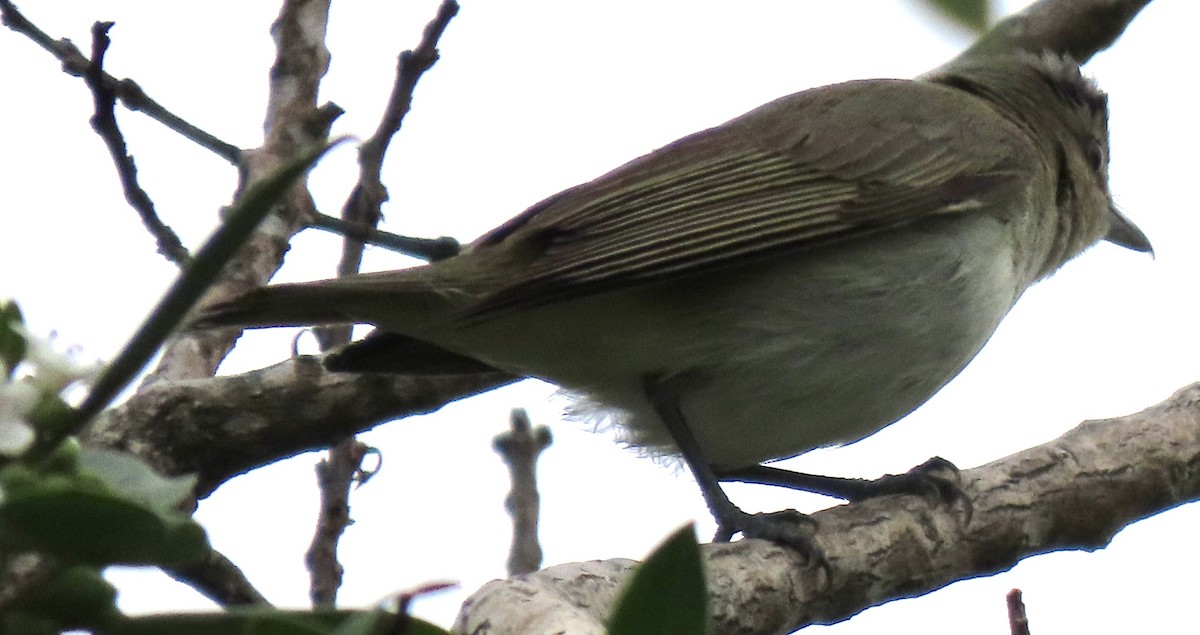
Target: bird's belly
846, 379
831, 352
773, 359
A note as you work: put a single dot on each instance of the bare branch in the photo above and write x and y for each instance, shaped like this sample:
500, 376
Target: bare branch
520, 448
430, 249
366, 200
1076, 28
335, 475
293, 121
1075, 492
362, 211
128, 91
220, 427
220, 580
410, 66
1018, 622
104, 122
301, 60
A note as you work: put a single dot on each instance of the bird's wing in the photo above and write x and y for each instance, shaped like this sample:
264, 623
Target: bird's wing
816, 167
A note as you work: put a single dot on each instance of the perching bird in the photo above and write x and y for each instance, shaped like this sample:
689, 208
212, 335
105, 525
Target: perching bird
798, 277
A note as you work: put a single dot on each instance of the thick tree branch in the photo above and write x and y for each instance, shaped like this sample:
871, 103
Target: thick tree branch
129, 92
293, 121
1075, 492
220, 427
1076, 28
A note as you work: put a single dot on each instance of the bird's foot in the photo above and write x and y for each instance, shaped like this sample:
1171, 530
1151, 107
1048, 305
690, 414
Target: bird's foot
937, 480
789, 528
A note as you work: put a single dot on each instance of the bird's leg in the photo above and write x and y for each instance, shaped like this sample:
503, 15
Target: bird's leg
788, 527
936, 479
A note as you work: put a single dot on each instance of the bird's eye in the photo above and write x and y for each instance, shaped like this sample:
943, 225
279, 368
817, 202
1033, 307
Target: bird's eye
1096, 156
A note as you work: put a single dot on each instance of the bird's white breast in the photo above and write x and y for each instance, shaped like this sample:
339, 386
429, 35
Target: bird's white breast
775, 359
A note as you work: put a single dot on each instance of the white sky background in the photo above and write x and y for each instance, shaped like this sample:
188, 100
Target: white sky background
530, 98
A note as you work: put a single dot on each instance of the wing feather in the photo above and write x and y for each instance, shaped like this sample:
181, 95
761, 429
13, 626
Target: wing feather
801, 172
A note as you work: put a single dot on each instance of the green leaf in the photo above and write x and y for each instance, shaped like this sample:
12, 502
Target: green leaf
63, 518
75, 597
51, 414
129, 477
22, 623
238, 621
12, 343
367, 623
668, 594
268, 621
384, 623
972, 14
65, 457
114, 510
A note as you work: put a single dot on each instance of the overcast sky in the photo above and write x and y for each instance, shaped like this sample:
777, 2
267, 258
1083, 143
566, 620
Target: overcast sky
530, 98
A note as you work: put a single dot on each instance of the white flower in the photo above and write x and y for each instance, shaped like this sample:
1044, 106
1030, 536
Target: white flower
17, 399
52, 370
16, 437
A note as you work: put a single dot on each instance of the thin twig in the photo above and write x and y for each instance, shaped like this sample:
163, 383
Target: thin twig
129, 92
104, 122
410, 66
520, 448
365, 202
335, 475
1018, 622
362, 208
403, 621
361, 214
431, 249
247, 213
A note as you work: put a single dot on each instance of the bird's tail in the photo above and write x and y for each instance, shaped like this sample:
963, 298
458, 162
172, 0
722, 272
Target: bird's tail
276, 305
329, 302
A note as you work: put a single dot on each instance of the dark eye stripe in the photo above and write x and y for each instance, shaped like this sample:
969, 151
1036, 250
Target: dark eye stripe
1065, 191
1096, 156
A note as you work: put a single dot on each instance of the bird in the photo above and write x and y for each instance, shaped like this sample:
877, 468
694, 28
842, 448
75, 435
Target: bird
798, 277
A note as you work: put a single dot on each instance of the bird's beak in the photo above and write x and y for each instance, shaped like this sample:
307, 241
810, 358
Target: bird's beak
1122, 231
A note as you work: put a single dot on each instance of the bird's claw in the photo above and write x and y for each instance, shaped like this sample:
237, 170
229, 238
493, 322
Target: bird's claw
788, 528
936, 479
